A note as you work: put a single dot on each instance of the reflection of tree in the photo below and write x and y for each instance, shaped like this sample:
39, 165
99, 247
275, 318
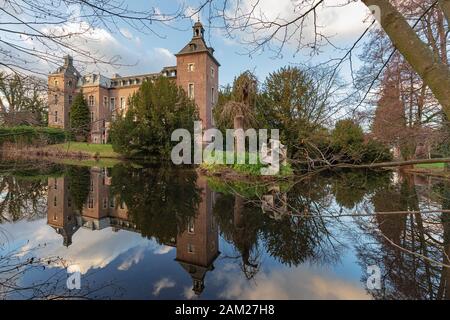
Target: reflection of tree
79, 179
22, 187
410, 247
298, 236
18, 266
350, 186
239, 223
160, 201
304, 234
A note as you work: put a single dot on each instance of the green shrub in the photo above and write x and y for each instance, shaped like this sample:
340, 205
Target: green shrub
32, 135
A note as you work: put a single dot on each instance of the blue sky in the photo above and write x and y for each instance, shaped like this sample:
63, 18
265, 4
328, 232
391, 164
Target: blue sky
147, 52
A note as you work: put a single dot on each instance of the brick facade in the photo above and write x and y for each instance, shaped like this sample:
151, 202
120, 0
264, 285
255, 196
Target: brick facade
197, 72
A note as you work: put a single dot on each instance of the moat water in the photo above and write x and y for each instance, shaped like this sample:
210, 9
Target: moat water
152, 232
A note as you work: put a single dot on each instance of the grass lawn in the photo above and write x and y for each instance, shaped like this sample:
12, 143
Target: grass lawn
245, 168
100, 150
430, 166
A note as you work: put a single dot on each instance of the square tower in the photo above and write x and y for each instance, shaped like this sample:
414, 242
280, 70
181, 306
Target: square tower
198, 74
62, 86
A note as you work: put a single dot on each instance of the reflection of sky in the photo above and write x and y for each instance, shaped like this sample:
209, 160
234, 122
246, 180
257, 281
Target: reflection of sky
147, 270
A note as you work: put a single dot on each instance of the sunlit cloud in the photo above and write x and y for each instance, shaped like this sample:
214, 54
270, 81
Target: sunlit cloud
164, 283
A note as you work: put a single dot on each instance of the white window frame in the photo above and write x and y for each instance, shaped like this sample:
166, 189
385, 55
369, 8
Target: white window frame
191, 226
191, 67
191, 94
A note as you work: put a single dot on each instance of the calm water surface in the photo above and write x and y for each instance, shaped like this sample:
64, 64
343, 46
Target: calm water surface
139, 232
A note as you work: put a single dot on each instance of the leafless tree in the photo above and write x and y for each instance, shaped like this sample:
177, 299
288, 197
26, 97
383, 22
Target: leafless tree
39, 32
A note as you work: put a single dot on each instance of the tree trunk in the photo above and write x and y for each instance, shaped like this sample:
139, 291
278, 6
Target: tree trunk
431, 69
445, 6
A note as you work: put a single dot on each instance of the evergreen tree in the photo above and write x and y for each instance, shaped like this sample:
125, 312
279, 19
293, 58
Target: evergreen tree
154, 112
80, 120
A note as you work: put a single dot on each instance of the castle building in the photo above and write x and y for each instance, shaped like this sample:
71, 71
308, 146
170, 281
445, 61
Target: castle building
196, 71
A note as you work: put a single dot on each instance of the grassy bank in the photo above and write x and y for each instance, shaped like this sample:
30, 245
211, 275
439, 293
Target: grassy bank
245, 169
435, 166
88, 149
431, 169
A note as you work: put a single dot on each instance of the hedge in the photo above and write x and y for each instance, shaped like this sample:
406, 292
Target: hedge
33, 135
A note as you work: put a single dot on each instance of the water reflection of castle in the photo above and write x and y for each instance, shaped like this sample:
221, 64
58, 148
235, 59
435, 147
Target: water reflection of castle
197, 246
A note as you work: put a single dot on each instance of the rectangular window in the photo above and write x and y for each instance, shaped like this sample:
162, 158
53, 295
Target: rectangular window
56, 116
55, 184
69, 202
56, 99
91, 101
105, 203
191, 90
91, 202
191, 225
92, 116
212, 72
113, 103
70, 100
54, 201
111, 203
122, 103
191, 248
190, 67
105, 102
213, 98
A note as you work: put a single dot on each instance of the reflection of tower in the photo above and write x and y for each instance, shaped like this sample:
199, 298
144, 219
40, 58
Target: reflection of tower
100, 209
197, 246
61, 214
96, 209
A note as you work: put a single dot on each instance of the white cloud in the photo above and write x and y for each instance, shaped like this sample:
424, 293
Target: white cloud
126, 33
288, 283
340, 20
164, 283
191, 12
132, 259
163, 250
189, 294
89, 249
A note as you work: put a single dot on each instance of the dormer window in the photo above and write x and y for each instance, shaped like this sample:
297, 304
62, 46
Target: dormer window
192, 46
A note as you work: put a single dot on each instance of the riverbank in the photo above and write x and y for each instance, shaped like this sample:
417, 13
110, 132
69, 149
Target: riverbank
65, 153
433, 170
